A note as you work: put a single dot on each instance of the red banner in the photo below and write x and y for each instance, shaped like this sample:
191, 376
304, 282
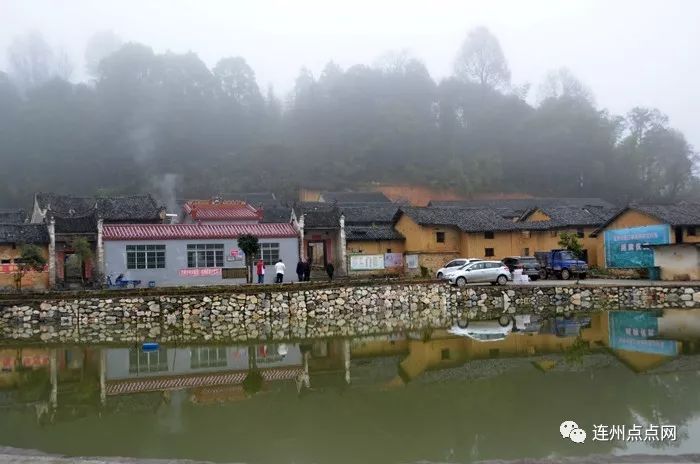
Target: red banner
200, 272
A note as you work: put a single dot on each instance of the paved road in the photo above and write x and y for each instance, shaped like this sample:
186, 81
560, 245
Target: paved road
612, 282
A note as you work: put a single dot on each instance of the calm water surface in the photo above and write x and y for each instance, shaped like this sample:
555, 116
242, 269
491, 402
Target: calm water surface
485, 393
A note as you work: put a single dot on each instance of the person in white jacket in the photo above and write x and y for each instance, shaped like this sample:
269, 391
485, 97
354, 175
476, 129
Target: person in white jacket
279, 269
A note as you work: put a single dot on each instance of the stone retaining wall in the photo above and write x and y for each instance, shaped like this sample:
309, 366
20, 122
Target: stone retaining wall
314, 313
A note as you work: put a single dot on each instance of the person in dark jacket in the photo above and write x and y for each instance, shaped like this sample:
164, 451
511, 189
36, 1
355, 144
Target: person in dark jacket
300, 270
307, 270
329, 270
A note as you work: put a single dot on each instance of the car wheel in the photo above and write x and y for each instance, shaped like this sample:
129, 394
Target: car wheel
462, 323
504, 321
461, 281
534, 277
502, 280
565, 274
439, 276
543, 274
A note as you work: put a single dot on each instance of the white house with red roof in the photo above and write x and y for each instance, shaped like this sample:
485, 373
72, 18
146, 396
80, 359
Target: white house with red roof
195, 254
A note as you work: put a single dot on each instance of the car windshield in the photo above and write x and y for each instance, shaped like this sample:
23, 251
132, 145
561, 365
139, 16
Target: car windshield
567, 255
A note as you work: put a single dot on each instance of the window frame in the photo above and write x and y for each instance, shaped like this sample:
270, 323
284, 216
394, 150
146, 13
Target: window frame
272, 250
486, 252
439, 236
205, 255
145, 256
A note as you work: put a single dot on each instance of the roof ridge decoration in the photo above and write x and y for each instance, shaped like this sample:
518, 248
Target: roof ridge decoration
196, 231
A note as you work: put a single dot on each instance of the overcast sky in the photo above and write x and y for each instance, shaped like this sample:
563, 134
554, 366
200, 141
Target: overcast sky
627, 52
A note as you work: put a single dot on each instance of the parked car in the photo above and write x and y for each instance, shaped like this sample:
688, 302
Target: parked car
560, 264
494, 272
529, 264
452, 266
484, 331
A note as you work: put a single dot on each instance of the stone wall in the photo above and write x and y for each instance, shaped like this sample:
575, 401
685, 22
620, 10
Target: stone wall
294, 312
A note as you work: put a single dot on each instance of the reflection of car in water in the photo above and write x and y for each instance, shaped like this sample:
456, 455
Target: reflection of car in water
499, 329
565, 327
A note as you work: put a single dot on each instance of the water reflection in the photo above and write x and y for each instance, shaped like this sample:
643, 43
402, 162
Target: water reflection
431, 395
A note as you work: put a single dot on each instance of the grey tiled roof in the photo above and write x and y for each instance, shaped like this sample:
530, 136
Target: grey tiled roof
277, 214
139, 208
318, 215
370, 213
568, 216
517, 207
354, 197
24, 233
376, 232
12, 216
466, 219
256, 199
680, 214
85, 224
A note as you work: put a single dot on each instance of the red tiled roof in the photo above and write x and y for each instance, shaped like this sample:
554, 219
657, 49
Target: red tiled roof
202, 210
195, 231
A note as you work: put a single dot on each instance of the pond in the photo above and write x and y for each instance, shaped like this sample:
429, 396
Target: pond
495, 390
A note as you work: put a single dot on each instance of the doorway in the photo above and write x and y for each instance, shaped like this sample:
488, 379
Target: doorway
73, 270
316, 251
678, 231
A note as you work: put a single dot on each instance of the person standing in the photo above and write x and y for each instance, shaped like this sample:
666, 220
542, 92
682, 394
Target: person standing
260, 268
279, 269
329, 270
300, 270
307, 270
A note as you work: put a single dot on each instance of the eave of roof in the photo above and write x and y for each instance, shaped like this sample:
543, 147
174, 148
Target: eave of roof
196, 231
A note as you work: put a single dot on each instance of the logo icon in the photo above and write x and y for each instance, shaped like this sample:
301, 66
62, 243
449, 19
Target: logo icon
569, 429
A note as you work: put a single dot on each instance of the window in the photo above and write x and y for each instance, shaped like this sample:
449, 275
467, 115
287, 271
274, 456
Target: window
145, 256
208, 356
5, 261
489, 252
205, 255
440, 237
488, 235
270, 253
526, 252
388, 250
579, 232
147, 361
691, 231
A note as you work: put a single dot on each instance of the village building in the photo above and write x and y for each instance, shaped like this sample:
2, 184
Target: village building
631, 238
322, 239
195, 254
541, 228
437, 235
373, 244
12, 237
70, 217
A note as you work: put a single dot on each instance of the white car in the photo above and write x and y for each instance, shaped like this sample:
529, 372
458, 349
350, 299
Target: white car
490, 331
484, 331
494, 272
454, 265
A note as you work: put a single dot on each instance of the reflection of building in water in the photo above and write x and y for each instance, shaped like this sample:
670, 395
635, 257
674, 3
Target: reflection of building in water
210, 373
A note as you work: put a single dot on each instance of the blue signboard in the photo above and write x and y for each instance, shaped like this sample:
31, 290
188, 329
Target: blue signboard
635, 330
624, 247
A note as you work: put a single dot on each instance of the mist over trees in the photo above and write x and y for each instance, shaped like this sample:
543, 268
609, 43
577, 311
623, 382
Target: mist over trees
147, 118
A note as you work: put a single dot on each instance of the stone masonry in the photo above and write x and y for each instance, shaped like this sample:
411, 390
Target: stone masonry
283, 313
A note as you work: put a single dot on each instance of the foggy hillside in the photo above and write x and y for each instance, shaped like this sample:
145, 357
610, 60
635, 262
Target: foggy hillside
147, 121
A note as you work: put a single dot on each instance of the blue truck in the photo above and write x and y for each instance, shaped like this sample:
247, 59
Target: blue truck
560, 264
